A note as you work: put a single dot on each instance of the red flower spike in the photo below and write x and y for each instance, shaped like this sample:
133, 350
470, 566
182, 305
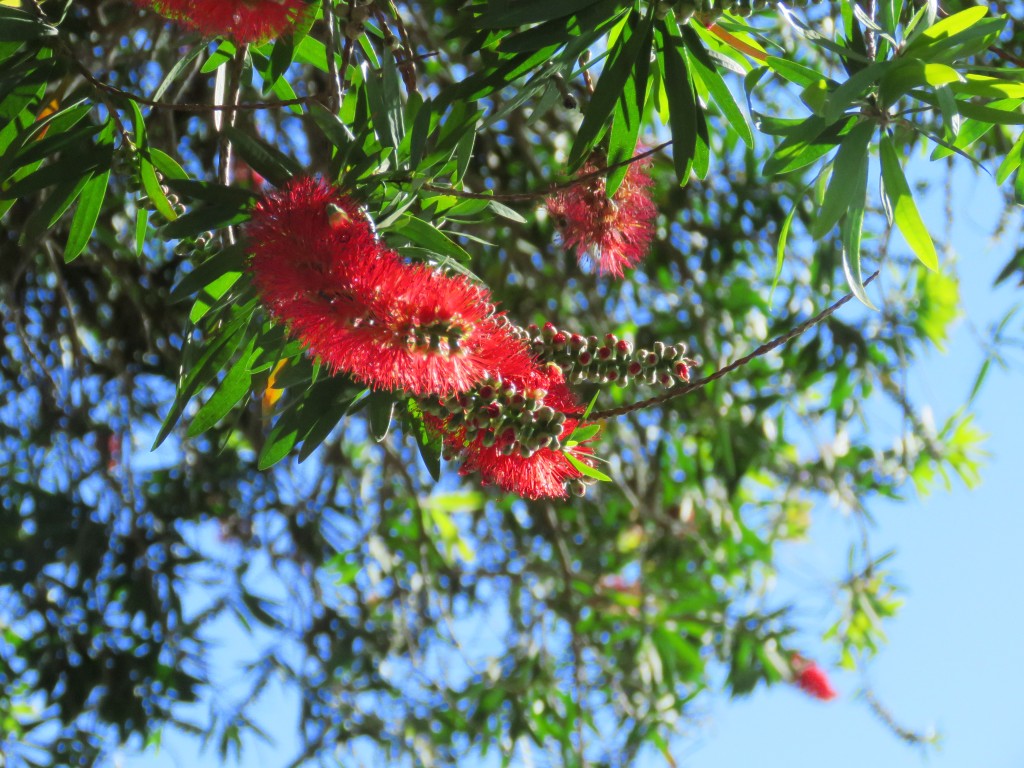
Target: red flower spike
615, 233
424, 332
306, 270
318, 266
311, 222
812, 679
244, 21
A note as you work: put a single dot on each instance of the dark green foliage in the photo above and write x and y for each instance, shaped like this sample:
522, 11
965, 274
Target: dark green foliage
324, 523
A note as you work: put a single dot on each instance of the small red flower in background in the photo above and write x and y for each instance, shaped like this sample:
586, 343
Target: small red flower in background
616, 233
812, 679
244, 21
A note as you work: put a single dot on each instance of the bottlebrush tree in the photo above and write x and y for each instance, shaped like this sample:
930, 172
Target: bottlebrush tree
473, 359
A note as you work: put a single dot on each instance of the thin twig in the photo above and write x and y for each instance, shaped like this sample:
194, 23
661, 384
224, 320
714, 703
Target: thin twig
883, 714
185, 107
870, 36
332, 62
225, 159
685, 389
520, 197
408, 65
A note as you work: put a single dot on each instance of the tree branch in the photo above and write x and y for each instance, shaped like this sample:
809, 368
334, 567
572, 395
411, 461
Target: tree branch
519, 197
334, 101
685, 389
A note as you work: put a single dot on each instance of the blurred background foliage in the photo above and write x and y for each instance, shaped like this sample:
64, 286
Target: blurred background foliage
422, 621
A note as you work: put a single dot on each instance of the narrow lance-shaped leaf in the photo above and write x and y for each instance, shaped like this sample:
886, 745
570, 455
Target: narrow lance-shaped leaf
235, 385
780, 250
609, 87
682, 106
704, 68
628, 117
84, 222
850, 162
904, 211
853, 226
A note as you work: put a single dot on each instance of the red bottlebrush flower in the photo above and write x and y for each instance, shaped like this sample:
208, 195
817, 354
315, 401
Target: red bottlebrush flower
812, 679
244, 21
424, 332
318, 266
616, 232
546, 473
310, 245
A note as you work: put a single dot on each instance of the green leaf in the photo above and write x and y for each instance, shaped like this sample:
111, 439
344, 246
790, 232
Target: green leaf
987, 87
70, 165
627, 119
339, 134
384, 92
225, 52
501, 14
597, 15
581, 434
853, 226
1012, 160
850, 162
611, 85
428, 443
945, 29
780, 250
704, 68
380, 407
904, 210
17, 26
211, 294
84, 222
44, 216
272, 164
154, 190
216, 354
167, 165
463, 155
175, 71
211, 192
141, 227
204, 218
804, 143
970, 131
431, 238
281, 57
230, 260
857, 87
585, 469
682, 107
234, 386
794, 72
322, 408
505, 212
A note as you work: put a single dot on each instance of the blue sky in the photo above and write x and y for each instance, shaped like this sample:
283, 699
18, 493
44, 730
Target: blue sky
955, 658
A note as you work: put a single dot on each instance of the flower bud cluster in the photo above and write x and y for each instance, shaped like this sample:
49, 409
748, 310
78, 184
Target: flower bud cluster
609, 360
502, 416
709, 11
